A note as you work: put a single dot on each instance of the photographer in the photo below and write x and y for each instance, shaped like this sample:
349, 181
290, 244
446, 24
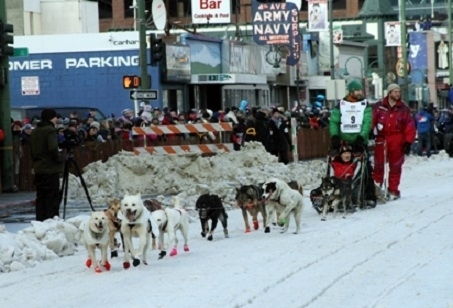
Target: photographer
279, 132
47, 165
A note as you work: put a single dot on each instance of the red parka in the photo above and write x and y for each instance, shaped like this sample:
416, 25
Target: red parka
393, 127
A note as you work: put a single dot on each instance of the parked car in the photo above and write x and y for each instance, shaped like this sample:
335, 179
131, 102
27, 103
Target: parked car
30, 112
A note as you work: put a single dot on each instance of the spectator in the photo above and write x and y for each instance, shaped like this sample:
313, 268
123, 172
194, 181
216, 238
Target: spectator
60, 134
127, 115
424, 121
104, 130
237, 134
279, 133
126, 132
395, 131
16, 129
323, 121
26, 134
47, 165
147, 115
93, 133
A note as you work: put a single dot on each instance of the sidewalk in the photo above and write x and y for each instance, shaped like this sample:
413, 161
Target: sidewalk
17, 199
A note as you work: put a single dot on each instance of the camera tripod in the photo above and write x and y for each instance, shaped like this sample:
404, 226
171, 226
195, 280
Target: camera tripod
69, 160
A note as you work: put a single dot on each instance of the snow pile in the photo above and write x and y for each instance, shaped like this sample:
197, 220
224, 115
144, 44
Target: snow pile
41, 241
189, 175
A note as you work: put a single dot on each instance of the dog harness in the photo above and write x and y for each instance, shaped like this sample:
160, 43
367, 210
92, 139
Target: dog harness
114, 219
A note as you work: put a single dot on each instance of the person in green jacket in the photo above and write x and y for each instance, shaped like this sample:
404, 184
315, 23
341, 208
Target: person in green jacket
47, 166
350, 123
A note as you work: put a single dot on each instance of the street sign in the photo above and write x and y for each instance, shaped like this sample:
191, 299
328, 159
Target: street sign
143, 94
20, 52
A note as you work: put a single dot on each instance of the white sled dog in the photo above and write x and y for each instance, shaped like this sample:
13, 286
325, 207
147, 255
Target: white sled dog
95, 233
169, 220
289, 200
135, 223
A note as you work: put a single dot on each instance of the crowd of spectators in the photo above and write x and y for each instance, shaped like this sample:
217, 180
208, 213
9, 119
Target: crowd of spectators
434, 130
88, 128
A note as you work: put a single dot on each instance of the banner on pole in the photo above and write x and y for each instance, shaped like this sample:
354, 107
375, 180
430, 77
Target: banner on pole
317, 15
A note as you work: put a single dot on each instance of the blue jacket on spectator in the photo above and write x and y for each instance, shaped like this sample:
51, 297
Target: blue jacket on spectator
424, 120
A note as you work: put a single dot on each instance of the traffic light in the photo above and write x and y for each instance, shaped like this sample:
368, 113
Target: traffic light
157, 50
131, 81
6, 38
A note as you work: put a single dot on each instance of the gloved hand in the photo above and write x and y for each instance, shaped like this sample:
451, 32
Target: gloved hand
359, 141
407, 148
335, 142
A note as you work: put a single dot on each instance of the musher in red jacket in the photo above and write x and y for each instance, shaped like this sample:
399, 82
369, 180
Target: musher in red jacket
394, 128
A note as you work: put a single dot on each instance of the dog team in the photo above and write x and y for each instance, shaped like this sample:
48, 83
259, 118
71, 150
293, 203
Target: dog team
140, 220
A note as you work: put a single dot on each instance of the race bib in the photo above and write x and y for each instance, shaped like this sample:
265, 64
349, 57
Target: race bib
352, 116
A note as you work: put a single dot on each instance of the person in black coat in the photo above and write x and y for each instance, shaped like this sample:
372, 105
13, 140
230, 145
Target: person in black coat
279, 130
47, 165
258, 129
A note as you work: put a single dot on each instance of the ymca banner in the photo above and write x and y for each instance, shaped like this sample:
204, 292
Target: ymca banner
393, 33
317, 15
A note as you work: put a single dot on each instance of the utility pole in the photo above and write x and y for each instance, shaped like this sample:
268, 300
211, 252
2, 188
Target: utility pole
145, 79
404, 47
332, 61
6, 147
450, 69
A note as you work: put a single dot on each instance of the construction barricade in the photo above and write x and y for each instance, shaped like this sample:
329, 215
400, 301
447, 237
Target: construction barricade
203, 138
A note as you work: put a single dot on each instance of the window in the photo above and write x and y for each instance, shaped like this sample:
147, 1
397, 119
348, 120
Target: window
339, 4
129, 10
178, 8
105, 9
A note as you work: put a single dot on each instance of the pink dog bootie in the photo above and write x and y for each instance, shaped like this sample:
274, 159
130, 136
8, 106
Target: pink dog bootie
173, 252
186, 248
256, 225
88, 263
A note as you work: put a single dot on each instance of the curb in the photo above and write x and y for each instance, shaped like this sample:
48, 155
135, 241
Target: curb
20, 203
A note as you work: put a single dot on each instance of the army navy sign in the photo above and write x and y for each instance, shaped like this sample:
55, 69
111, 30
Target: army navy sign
277, 24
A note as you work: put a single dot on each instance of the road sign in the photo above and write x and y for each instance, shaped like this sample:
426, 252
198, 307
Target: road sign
20, 52
143, 94
131, 81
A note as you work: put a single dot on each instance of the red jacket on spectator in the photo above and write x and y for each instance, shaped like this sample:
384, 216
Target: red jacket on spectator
393, 127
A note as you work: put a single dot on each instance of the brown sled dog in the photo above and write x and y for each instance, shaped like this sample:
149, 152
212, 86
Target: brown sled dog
114, 225
248, 199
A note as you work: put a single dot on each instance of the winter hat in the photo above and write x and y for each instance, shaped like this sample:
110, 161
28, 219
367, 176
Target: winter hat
355, 85
27, 126
126, 111
17, 123
345, 148
391, 87
95, 125
48, 114
72, 123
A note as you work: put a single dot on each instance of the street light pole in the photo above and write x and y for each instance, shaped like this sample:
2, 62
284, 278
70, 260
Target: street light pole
332, 61
6, 147
403, 31
145, 80
362, 71
450, 68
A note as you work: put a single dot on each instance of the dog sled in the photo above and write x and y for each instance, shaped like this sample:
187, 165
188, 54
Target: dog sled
353, 185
